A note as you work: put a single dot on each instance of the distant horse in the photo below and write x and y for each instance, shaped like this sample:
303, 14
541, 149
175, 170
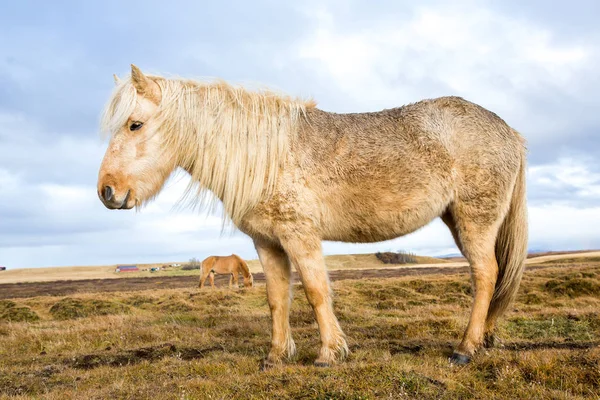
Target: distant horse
290, 175
232, 265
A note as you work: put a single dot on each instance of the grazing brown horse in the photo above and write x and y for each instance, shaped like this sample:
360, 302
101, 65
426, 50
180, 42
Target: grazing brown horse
232, 265
290, 175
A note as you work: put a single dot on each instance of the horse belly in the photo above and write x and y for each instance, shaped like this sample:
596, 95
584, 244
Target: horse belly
364, 219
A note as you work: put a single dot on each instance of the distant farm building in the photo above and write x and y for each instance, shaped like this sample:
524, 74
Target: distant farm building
2, 268
127, 268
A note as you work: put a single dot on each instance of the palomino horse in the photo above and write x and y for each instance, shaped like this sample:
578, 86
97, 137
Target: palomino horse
232, 265
290, 175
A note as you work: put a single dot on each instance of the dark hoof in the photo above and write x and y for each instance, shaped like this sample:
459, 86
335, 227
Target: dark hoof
459, 359
321, 364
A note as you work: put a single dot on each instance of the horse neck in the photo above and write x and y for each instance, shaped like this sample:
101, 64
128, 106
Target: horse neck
231, 141
243, 268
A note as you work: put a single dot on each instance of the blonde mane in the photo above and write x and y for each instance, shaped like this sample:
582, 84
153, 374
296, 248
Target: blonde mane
232, 141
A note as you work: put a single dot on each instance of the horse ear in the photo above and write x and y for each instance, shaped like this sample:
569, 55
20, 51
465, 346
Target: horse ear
140, 81
116, 78
144, 85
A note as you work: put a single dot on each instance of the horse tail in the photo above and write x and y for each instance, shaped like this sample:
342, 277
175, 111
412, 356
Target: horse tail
511, 248
245, 270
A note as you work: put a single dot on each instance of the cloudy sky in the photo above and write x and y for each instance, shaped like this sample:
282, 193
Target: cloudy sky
536, 64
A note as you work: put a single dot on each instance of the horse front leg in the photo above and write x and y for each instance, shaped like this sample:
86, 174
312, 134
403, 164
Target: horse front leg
306, 255
277, 269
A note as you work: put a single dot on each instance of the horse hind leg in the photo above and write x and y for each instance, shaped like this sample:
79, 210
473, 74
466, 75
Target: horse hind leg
489, 338
211, 276
203, 278
476, 238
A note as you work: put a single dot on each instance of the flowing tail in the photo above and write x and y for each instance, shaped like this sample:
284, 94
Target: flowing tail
511, 249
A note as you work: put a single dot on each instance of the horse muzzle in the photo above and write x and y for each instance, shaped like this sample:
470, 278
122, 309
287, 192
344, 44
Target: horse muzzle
113, 201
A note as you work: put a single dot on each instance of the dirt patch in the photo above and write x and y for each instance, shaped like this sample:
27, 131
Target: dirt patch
134, 356
71, 308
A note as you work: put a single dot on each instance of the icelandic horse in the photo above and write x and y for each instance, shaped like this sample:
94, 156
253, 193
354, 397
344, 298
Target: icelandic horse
290, 175
232, 265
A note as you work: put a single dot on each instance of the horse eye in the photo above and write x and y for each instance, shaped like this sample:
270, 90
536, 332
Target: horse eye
135, 126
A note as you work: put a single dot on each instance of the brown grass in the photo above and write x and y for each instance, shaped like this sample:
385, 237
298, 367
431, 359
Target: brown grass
182, 343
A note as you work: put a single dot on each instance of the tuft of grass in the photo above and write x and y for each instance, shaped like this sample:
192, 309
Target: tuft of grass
19, 314
140, 301
6, 304
174, 306
574, 287
71, 308
10, 312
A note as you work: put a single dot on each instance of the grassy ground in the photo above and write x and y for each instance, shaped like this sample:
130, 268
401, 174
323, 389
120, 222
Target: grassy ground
190, 344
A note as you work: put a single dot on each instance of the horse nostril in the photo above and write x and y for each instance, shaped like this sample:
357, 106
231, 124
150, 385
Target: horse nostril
107, 193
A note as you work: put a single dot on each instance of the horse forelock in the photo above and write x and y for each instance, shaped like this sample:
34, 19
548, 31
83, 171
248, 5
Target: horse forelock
119, 107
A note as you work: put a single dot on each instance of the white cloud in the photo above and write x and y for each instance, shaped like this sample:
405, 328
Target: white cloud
568, 181
469, 51
564, 227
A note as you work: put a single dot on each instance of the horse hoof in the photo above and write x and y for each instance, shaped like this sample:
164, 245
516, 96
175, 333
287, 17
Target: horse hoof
322, 364
459, 359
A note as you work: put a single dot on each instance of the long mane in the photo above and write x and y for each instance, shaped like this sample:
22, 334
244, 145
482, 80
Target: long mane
232, 141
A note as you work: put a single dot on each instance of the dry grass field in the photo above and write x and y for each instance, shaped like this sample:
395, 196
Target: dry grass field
181, 343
